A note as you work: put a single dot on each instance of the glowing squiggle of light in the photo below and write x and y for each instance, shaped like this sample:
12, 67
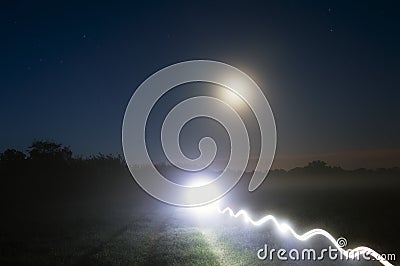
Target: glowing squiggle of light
350, 253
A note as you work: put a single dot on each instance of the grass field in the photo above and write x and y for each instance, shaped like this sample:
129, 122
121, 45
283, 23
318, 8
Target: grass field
156, 235
124, 226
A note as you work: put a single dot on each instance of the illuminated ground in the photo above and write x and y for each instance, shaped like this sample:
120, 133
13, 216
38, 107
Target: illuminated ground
160, 235
128, 227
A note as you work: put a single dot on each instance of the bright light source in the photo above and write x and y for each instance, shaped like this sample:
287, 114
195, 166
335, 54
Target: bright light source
206, 209
199, 180
203, 215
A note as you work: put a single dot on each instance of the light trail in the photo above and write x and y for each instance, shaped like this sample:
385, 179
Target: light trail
350, 253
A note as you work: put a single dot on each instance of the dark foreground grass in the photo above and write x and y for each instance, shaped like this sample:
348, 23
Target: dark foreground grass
161, 235
126, 237
153, 233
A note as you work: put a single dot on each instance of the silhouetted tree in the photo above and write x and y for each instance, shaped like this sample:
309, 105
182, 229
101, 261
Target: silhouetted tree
45, 150
317, 164
12, 155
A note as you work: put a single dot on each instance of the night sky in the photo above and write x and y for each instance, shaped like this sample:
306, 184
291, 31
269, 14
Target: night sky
329, 69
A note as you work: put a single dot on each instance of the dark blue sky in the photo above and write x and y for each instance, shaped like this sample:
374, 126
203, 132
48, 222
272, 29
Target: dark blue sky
330, 70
